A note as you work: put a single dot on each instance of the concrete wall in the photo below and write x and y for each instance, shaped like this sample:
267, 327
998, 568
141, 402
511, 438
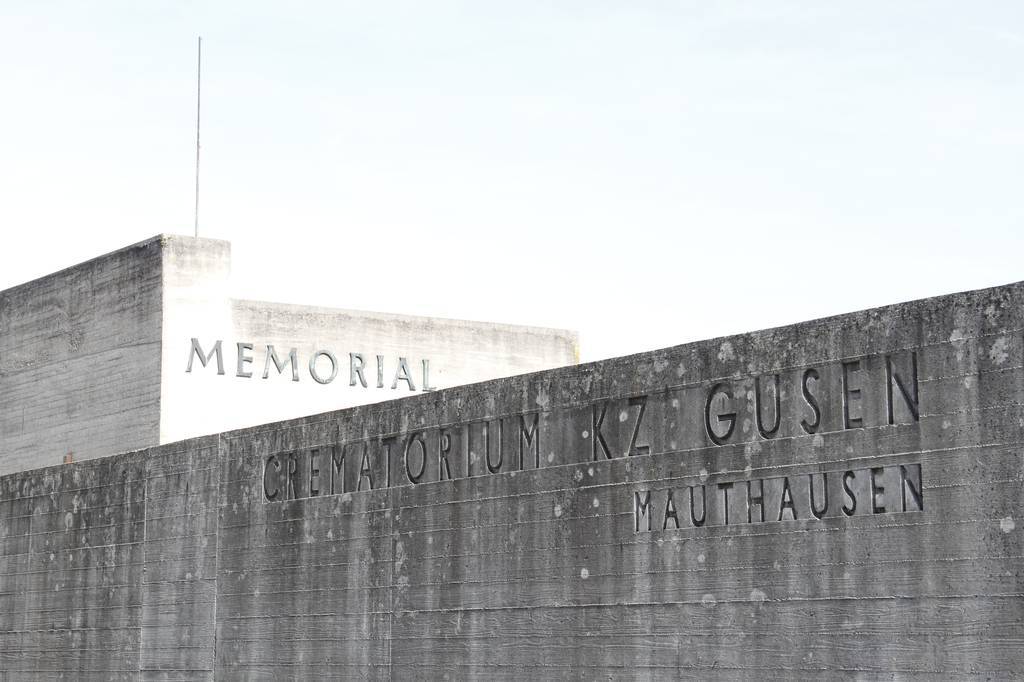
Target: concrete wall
197, 302
550, 530
456, 352
80, 360
108, 567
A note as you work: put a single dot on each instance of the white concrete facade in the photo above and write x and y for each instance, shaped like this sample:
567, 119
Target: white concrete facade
145, 346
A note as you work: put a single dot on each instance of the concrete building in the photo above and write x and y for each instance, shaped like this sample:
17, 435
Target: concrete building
837, 499
145, 346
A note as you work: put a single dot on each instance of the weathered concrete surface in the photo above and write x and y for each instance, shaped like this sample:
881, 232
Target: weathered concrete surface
80, 360
108, 568
589, 552
96, 358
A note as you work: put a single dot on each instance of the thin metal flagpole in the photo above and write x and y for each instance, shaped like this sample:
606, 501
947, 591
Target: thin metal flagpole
199, 81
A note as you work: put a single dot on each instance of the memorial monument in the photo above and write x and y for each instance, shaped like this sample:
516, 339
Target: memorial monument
146, 345
837, 498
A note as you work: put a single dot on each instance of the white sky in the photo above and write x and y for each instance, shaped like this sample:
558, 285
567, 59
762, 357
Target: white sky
648, 173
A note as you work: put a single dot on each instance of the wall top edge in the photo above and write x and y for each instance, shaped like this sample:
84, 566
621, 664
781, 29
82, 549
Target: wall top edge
262, 306
157, 241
